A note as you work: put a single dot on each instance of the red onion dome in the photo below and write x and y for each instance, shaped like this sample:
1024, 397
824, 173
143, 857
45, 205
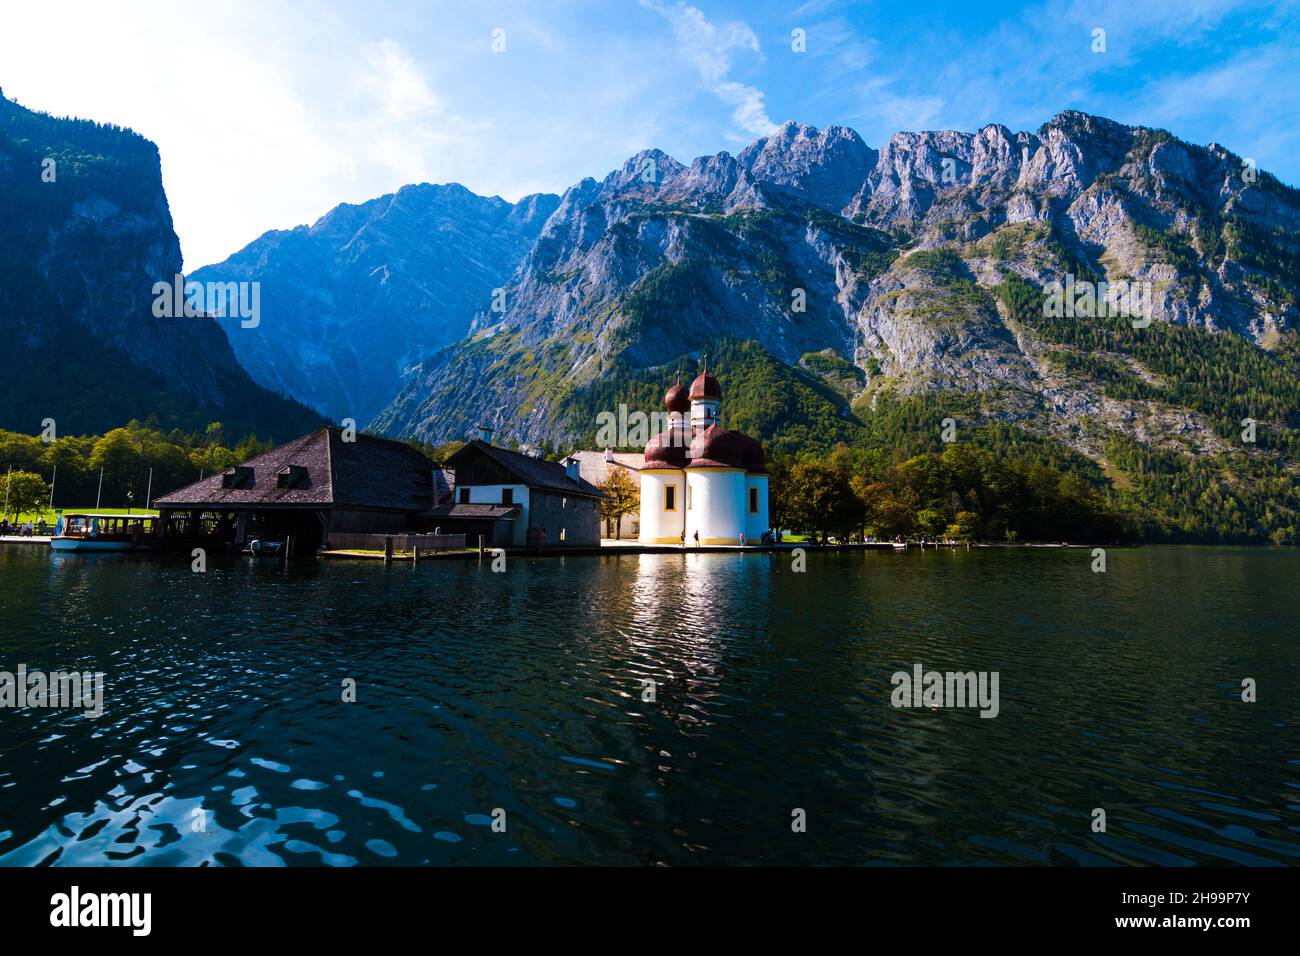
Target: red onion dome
662, 451
676, 399
705, 386
752, 454
716, 447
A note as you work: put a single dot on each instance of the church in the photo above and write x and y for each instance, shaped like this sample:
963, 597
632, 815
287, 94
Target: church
699, 478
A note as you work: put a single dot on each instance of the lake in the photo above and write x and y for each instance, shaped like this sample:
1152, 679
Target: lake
520, 696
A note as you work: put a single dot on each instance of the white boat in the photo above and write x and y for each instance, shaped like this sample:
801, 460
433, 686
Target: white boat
261, 548
104, 532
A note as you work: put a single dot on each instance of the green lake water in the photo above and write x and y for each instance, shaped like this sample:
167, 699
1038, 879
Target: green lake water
521, 693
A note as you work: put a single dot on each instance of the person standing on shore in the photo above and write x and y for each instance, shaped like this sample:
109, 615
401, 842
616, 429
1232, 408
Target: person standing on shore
697, 539
682, 537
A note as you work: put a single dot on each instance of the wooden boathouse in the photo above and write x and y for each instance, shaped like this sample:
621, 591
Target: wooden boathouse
310, 488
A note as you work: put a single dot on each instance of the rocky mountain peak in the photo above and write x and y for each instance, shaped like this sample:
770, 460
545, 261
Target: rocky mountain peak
824, 167
644, 172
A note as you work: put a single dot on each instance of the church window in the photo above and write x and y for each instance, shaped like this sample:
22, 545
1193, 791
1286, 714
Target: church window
670, 498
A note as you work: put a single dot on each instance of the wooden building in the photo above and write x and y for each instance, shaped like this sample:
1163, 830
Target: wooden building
514, 499
309, 488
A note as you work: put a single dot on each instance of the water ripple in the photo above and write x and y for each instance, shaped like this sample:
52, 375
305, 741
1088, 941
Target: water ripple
226, 739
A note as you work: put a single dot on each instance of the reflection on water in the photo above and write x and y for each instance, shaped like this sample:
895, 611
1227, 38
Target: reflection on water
225, 738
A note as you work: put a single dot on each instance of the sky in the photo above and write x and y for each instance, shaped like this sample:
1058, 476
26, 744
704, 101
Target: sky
268, 114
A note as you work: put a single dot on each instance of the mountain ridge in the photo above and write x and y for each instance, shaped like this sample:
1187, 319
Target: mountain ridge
926, 287
996, 179
87, 234
370, 288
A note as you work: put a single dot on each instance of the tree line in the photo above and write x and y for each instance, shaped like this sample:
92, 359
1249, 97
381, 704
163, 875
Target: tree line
965, 493
138, 461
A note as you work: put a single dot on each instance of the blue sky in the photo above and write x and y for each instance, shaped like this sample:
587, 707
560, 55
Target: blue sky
269, 113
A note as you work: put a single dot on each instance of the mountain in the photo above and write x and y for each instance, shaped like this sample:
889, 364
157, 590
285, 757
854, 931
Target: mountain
85, 234
868, 285
348, 303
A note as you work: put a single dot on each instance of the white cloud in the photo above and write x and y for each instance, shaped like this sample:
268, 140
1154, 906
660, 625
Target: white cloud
395, 82
256, 131
237, 137
897, 111
709, 48
837, 43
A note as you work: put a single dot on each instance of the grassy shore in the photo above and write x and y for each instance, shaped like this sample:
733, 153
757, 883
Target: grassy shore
49, 516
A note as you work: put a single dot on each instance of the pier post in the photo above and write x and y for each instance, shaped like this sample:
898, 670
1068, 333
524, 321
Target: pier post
388, 549
288, 546
415, 554
480, 547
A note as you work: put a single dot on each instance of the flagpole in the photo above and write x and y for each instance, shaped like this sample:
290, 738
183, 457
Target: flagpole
148, 492
101, 488
7, 477
53, 478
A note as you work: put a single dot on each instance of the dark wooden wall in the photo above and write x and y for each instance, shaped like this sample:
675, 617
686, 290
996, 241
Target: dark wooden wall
475, 468
578, 516
358, 521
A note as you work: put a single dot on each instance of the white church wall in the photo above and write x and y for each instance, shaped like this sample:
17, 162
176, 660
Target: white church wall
756, 522
716, 505
659, 525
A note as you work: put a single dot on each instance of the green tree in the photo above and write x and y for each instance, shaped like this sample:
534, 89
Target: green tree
23, 492
930, 521
965, 527
622, 497
886, 515
118, 454
819, 499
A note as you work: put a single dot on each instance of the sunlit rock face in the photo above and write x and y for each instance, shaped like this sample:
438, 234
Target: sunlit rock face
884, 262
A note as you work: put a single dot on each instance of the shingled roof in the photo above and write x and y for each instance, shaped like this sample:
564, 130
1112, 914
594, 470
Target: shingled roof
533, 472
595, 468
367, 473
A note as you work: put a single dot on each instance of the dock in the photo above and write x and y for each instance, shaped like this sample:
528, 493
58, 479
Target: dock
627, 547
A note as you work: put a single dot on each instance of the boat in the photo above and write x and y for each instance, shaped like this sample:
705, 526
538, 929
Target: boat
262, 548
105, 532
